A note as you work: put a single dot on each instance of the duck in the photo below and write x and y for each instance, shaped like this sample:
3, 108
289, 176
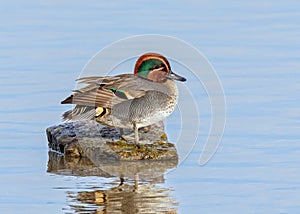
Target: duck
127, 101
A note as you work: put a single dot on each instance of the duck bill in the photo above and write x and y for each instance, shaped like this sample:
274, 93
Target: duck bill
174, 76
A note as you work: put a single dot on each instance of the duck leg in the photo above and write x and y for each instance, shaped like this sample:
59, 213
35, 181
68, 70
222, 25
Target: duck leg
136, 133
128, 138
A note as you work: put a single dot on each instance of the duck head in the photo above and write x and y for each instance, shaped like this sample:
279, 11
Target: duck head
156, 68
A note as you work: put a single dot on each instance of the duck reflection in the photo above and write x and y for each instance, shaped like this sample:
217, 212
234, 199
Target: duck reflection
124, 198
135, 188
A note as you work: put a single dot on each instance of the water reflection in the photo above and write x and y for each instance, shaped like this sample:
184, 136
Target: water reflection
135, 189
125, 198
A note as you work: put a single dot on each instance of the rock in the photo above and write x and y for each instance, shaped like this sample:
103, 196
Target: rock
89, 139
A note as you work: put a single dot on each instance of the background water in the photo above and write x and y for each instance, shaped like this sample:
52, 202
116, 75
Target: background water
254, 47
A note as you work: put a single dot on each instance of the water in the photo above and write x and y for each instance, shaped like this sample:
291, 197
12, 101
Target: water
253, 46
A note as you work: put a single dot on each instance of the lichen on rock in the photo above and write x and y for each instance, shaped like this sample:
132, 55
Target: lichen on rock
90, 139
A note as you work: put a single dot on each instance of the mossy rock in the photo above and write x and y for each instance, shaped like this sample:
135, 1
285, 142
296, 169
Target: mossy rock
90, 139
131, 151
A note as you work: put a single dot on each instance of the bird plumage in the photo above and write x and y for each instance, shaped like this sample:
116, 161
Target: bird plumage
127, 100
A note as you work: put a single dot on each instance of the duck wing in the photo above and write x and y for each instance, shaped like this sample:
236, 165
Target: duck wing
106, 91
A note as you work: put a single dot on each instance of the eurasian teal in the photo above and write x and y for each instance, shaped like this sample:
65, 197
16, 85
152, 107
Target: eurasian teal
129, 101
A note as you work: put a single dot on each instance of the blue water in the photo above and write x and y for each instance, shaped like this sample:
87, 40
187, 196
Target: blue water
254, 48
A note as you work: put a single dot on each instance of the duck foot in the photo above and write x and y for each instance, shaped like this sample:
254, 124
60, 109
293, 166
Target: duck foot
127, 138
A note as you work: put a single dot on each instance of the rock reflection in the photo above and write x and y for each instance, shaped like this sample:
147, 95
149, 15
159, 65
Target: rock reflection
135, 189
124, 198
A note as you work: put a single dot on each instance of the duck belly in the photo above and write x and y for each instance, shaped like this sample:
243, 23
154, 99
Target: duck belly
144, 111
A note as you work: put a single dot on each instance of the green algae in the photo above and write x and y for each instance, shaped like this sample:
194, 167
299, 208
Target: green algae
131, 151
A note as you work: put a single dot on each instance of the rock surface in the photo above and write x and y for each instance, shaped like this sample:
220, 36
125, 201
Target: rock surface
91, 140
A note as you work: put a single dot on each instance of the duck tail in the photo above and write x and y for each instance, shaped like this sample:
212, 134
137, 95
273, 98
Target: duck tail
79, 113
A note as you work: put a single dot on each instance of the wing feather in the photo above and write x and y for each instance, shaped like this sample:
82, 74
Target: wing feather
97, 92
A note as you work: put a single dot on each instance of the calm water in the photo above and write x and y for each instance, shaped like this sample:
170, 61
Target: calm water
254, 47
